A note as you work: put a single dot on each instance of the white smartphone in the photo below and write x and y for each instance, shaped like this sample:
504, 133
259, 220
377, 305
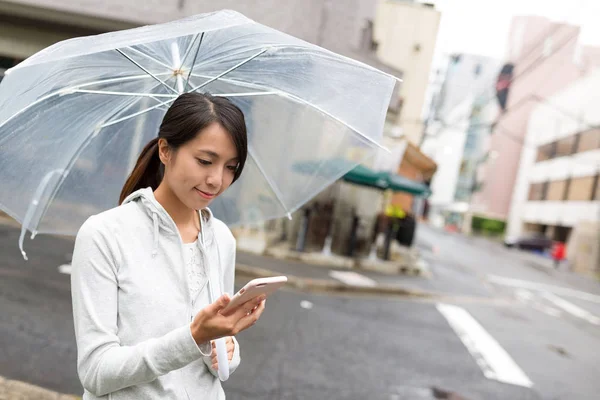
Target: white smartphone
255, 288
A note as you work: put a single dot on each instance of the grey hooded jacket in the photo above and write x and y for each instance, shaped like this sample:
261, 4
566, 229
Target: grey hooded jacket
132, 307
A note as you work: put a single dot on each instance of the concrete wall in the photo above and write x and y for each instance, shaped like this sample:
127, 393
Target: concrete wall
406, 34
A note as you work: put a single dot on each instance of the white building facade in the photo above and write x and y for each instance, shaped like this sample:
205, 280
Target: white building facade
557, 191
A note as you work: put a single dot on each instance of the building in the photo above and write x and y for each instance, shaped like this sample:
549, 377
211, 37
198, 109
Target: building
543, 58
457, 132
404, 37
557, 189
29, 26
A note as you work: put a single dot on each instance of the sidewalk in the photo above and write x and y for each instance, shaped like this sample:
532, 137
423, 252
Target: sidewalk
16, 390
313, 278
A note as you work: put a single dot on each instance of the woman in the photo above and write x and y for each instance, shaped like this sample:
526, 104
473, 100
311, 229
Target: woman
147, 275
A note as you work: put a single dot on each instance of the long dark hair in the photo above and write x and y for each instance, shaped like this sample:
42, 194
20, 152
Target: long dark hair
187, 116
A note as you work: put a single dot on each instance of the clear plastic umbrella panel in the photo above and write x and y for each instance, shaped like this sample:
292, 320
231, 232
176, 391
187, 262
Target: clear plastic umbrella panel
75, 116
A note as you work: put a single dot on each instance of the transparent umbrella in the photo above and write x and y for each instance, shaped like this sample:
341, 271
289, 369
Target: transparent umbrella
75, 116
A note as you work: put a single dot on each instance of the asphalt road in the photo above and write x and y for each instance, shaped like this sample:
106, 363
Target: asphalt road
310, 346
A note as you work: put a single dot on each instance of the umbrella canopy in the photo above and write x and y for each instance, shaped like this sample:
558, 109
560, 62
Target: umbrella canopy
75, 116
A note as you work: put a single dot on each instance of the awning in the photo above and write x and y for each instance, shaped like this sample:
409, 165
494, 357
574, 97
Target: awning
363, 176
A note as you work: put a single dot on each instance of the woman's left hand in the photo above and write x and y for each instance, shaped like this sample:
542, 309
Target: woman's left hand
230, 348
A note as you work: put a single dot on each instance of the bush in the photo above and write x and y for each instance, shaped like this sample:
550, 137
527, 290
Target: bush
488, 226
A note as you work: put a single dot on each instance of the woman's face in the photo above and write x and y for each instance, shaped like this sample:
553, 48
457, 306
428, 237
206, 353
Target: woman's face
201, 169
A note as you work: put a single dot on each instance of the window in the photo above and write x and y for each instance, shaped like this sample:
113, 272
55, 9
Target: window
536, 191
556, 190
589, 140
564, 147
567, 187
580, 189
546, 152
596, 189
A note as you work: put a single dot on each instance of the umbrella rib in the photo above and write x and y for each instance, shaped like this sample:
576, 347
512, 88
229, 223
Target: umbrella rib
189, 50
122, 111
187, 81
131, 94
170, 88
68, 90
109, 123
141, 53
73, 158
244, 94
229, 70
111, 80
296, 98
145, 70
271, 184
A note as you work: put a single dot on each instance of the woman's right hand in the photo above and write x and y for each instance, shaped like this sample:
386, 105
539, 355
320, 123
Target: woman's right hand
210, 324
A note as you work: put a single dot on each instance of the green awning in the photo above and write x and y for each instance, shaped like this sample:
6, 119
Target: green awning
398, 183
363, 176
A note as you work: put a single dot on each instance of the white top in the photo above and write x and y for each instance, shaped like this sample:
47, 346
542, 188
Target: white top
195, 268
132, 320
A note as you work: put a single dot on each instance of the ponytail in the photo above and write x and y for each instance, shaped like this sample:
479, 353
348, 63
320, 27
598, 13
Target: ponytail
147, 171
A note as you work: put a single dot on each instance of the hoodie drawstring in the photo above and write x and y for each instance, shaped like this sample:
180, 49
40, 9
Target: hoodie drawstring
155, 244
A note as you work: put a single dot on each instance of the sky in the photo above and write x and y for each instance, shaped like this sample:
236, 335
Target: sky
481, 26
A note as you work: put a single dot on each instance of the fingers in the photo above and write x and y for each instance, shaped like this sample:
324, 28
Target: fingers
230, 351
218, 305
230, 348
247, 307
250, 319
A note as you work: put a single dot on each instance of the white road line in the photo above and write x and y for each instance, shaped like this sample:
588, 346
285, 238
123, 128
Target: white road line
493, 360
523, 295
551, 311
352, 278
500, 280
307, 305
65, 269
527, 297
572, 308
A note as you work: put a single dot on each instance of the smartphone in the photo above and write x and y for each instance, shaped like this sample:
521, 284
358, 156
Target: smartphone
255, 288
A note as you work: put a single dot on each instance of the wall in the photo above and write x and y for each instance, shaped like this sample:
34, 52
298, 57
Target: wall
547, 124
406, 34
543, 67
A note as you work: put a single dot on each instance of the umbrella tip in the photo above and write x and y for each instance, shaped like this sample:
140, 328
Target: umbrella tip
289, 216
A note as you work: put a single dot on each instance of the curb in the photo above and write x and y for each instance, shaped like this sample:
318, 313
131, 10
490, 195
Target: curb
330, 285
17, 390
308, 284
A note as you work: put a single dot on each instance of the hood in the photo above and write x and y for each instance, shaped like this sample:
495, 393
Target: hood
162, 221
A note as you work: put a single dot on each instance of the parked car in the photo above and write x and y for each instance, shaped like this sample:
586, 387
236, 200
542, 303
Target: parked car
532, 241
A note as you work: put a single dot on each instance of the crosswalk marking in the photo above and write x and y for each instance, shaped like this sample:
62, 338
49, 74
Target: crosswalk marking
572, 308
493, 360
518, 283
65, 269
527, 297
352, 278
